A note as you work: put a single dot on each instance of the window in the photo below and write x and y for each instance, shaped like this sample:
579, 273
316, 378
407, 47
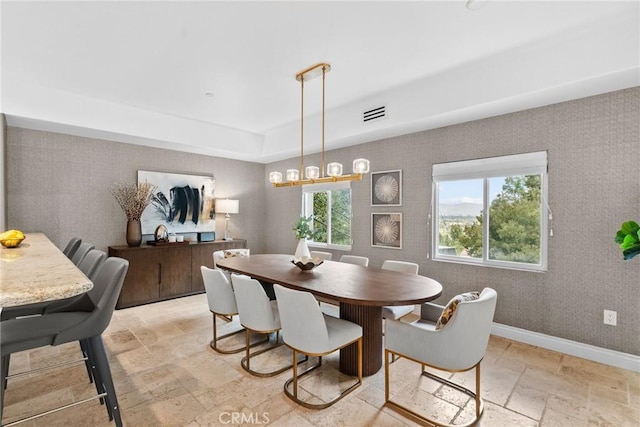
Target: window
492, 211
330, 205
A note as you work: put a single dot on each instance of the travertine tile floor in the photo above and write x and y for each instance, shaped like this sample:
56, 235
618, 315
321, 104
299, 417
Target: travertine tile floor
166, 374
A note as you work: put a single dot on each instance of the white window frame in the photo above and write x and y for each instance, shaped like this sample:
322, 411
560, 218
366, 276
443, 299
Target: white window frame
307, 210
513, 165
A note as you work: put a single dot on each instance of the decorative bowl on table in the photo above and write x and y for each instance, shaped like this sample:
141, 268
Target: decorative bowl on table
306, 263
11, 238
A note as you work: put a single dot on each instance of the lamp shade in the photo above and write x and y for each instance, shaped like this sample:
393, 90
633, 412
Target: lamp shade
275, 177
334, 169
227, 206
293, 174
360, 166
312, 172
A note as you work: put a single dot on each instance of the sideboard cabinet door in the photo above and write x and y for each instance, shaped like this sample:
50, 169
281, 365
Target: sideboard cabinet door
176, 271
142, 282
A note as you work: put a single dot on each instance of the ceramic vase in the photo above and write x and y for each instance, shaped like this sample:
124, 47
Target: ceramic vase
134, 233
302, 250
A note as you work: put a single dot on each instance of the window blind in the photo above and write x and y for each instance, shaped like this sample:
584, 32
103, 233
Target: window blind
513, 165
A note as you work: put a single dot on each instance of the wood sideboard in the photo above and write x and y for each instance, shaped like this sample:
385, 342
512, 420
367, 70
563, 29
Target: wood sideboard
158, 273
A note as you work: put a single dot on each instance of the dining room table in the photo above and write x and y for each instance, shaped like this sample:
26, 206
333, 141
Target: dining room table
38, 271
360, 291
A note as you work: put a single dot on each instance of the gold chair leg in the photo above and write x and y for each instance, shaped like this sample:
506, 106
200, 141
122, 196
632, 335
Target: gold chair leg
386, 375
415, 416
295, 375
246, 361
293, 395
214, 343
360, 356
225, 317
478, 399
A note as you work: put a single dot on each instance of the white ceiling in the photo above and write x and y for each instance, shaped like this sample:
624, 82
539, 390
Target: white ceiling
138, 71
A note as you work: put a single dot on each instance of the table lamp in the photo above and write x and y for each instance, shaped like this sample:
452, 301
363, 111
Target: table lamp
227, 206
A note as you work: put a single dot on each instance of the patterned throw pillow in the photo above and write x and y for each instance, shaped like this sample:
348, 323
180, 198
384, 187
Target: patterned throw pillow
230, 253
450, 309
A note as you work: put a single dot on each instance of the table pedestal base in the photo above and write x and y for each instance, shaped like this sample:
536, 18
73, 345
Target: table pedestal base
370, 318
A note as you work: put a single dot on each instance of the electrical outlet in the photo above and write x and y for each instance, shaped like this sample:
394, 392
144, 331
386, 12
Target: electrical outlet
610, 317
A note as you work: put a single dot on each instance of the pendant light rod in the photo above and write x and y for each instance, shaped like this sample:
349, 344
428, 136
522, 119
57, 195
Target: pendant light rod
301, 126
324, 74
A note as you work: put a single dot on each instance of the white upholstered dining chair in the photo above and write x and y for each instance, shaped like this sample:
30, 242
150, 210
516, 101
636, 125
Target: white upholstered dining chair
452, 338
325, 256
222, 302
228, 253
259, 315
396, 312
306, 330
355, 259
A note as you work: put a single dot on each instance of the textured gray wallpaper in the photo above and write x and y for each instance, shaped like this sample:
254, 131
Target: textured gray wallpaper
3, 175
59, 184
594, 185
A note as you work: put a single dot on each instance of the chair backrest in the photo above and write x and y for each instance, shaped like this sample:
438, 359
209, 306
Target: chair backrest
472, 323
469, 330
322, 255
108, 282
92, 262
90, 266
217, 256
303, 325
82, 251
72, 247
354, 259
254, 308
219, 291
401, 266
220, 255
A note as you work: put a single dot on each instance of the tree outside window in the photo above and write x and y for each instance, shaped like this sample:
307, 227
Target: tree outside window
494, 220
331, 210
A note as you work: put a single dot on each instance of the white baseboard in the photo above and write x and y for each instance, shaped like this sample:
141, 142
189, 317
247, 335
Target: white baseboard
573, 348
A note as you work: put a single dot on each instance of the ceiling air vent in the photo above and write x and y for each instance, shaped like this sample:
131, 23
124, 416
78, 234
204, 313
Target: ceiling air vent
374, 114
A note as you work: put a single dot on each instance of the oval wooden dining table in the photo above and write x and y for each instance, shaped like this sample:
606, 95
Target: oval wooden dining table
37, 271
361, 292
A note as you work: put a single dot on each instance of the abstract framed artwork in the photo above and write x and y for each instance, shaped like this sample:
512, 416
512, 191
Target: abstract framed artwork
183, 203
386, 230
386, 188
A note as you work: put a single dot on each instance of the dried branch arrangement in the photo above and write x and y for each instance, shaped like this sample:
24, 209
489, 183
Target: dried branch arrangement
133, 198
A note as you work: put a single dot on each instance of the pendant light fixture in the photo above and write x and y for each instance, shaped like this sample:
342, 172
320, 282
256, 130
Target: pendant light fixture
315, 174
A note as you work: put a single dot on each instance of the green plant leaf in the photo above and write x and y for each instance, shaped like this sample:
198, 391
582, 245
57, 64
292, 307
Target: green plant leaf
630, 227
629, 239
631, 252
628, 242
303, 230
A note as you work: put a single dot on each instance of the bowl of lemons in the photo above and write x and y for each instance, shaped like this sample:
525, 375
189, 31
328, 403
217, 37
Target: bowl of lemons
11, 238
